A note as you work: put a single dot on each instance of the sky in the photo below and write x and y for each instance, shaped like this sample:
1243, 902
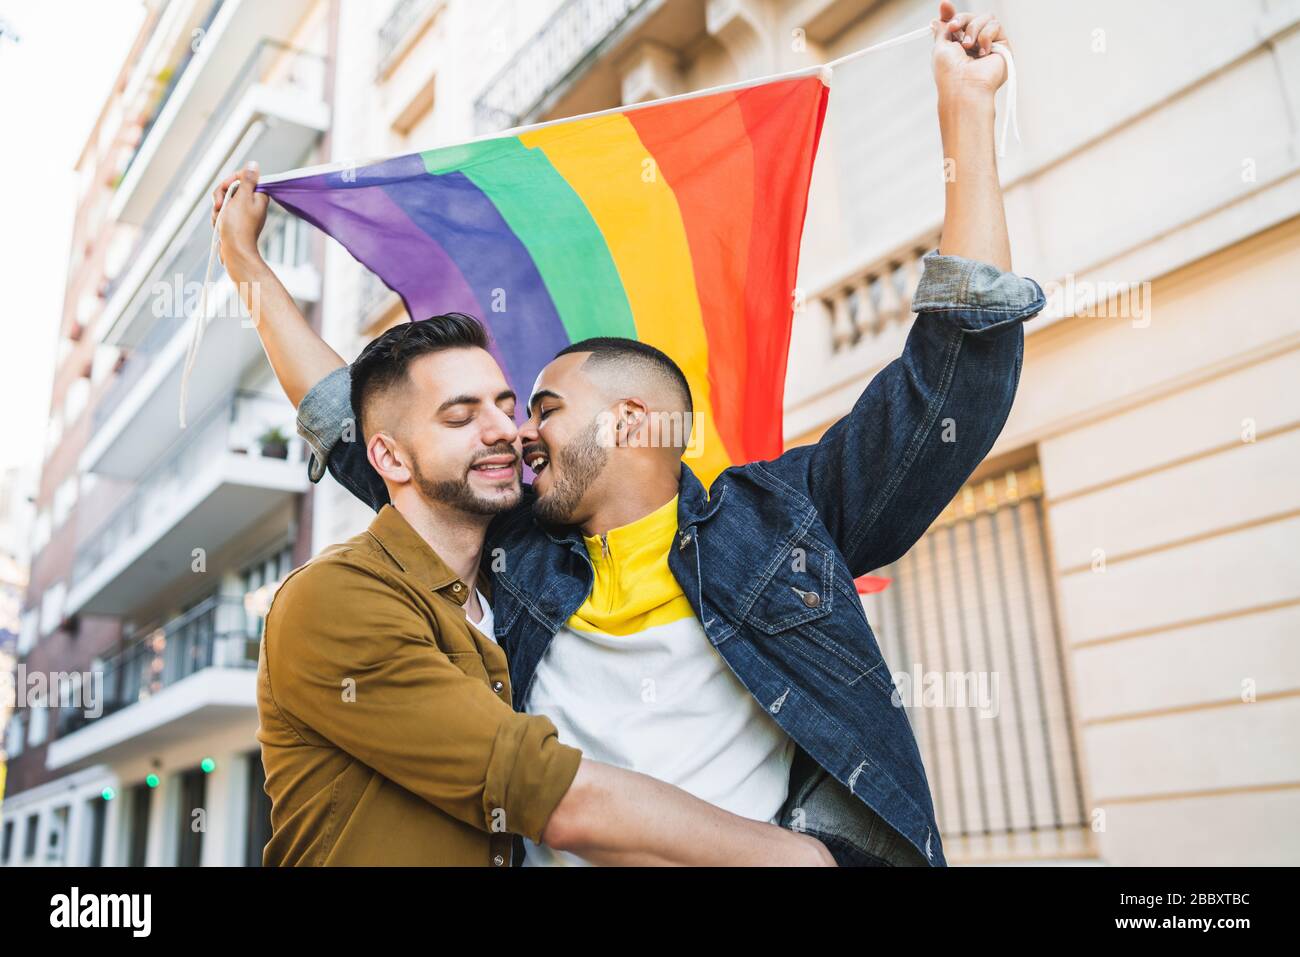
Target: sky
53, 82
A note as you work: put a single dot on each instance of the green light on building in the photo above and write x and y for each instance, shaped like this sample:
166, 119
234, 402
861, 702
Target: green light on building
107, 794
208, 765
152, 780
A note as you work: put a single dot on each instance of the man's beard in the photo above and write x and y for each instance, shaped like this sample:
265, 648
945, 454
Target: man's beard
580, 461
459, 494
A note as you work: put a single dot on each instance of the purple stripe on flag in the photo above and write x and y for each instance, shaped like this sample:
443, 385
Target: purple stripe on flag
383, 239
518, 308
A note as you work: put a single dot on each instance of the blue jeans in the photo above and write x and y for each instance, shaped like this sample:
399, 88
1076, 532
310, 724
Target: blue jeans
854, 838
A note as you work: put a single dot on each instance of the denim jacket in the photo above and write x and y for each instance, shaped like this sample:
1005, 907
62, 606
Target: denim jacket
768, 555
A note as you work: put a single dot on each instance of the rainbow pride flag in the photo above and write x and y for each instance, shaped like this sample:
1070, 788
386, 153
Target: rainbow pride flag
676, 223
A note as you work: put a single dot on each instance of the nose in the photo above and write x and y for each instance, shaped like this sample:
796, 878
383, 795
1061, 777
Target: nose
528, 431
500, 428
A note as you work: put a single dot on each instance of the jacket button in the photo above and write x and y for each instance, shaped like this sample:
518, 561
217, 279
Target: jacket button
456, 588
497, 686
498, 861
686, 540
812, 599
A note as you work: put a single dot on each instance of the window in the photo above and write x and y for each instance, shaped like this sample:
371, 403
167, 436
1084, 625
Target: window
56, 842
138, 836
259, 581
259, 811
96, 813
7, 846
29, 630
75, 399
65, 497
16, 735
38, 721
29, 837
40, 531
974, 598
193, 792
52, 607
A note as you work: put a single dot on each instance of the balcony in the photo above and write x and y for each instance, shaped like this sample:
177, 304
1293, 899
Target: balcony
582, 36
229, 474
400, 29
274, 112
136, 418
198, 90
184, 678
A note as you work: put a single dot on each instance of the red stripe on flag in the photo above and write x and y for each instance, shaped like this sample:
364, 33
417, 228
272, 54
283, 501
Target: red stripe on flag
784, 120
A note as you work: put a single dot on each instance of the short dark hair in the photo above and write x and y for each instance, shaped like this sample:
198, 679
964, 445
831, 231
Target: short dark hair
384, 361
618, 349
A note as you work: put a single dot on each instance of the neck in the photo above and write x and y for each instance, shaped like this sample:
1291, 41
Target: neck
637, 493
456, 535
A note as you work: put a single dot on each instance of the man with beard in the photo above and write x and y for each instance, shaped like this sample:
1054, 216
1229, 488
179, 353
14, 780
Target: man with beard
715, 640
383, 698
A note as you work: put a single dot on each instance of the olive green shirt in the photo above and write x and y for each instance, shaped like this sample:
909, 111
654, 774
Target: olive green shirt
385, 720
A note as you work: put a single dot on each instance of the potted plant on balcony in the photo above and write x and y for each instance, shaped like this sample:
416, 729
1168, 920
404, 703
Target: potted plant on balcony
274, 443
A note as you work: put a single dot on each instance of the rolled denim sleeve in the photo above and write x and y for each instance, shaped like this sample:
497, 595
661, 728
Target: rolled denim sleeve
327, 424
880, 476
987, 295
323, 415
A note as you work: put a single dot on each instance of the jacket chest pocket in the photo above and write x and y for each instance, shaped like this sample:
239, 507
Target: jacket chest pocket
792, 618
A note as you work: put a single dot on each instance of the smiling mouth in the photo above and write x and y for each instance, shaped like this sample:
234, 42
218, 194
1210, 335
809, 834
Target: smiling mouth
537, 461
498, 467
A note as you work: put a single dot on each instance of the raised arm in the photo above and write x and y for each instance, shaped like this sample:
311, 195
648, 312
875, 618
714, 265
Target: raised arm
299, 357
884, 472
967, 74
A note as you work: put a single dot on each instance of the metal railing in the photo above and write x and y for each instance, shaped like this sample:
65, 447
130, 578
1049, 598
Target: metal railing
245, 423
178, 71
396, 26
556, 53
272, 63
217, 632
974, 597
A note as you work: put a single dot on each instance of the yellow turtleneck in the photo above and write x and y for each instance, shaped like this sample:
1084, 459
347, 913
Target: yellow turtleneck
634, 588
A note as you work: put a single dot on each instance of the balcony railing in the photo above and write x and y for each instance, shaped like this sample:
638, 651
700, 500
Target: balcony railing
397, 26
283, 243
248, 423
271, 63
178, 70
557, 51
865, 304
217, 632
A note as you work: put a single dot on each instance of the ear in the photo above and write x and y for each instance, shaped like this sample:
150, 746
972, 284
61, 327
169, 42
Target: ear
632, 426
387, 458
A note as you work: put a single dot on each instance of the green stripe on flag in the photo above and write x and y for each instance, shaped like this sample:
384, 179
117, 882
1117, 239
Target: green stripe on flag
553, 224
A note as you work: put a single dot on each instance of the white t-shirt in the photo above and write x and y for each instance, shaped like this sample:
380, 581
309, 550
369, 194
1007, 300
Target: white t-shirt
633, 680
484, 624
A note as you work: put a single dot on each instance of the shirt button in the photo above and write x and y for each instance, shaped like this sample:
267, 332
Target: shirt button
812, 599
498, 861
497, 686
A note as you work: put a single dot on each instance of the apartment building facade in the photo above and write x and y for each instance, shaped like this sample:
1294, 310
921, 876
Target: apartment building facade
158, 547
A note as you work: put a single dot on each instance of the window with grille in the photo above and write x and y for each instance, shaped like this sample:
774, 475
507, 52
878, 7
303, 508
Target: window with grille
969, 627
